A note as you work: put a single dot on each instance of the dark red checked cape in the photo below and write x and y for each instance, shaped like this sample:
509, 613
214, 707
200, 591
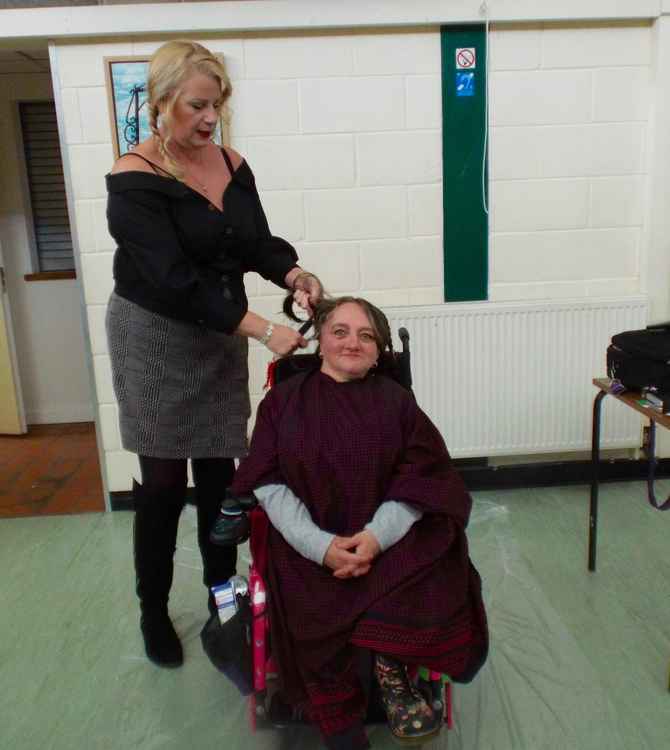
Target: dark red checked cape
344, 448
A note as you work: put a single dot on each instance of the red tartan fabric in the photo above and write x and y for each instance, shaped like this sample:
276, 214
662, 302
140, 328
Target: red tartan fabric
344, 448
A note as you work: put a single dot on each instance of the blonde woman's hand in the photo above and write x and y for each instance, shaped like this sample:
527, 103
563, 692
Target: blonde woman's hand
285, 340
307, 291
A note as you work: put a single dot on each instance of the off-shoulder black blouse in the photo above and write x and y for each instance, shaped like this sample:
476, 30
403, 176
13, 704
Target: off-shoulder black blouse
179, 256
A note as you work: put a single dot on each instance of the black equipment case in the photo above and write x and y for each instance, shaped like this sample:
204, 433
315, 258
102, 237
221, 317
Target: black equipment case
641, 359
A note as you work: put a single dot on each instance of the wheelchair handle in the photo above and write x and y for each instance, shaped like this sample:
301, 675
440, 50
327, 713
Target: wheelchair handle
403, 333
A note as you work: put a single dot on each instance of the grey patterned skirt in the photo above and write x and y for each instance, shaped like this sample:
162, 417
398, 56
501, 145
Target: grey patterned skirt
182, 389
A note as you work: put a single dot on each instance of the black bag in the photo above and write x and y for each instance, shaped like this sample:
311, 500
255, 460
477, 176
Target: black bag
228, 646
641, 359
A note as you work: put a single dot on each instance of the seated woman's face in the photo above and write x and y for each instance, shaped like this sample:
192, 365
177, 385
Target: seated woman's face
347, 342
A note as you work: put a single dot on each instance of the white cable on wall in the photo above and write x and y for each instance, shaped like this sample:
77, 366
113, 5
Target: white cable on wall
484, 10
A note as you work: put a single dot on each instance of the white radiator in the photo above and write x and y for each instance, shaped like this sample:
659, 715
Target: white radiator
515, 378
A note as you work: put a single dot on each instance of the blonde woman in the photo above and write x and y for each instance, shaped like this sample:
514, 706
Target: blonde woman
188, 224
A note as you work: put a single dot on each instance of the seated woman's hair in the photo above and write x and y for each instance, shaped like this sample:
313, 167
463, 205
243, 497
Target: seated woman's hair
379, 322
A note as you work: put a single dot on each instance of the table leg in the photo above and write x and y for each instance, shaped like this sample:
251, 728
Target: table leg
595, 477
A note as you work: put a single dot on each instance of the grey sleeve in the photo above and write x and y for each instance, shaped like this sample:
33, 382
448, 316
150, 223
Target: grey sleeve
290, 517
392, 521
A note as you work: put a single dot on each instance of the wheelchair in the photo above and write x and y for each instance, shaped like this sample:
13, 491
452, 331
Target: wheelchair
242, 519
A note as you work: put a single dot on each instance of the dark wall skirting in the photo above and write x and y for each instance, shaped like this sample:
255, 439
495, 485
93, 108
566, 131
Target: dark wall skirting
479, 475
124, 500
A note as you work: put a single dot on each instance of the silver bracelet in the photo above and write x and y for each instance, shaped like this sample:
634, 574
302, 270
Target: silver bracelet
267, 335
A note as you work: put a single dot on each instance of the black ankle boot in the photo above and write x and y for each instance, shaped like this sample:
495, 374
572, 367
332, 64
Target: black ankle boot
161, 641
154, 541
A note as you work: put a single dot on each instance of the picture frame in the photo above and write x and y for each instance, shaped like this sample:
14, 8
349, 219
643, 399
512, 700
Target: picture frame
126, 83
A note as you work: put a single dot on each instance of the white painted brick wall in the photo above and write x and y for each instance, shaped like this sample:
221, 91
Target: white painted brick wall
89, 164
359, 213
516, 47
296, 56
391, 158
617, 201
381, 269
284, 212
96, 328
596, 45
351, 105
533, 205
72, 115
264, 108
303, 162
571, 107
564, 256
81, 65
423, 102
97, 277
338, 263
83, 211
109, 427
593, 150
425, 210
343, 132
621, 94
401, 53
94, 116
541, 97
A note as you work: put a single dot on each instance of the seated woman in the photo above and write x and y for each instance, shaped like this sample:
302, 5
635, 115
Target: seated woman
367, 543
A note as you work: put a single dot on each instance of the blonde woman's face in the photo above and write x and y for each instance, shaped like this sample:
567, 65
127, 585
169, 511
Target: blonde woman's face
347, 343
196, 112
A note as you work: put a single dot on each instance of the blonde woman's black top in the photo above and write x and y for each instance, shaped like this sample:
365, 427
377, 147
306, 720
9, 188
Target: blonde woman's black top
179, 256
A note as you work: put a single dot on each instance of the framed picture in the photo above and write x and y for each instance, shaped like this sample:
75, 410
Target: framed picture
126, 79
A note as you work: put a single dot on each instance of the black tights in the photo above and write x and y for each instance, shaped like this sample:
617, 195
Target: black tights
165, 479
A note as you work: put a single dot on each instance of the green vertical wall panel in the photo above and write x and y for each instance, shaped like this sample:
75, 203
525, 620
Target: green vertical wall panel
463, 144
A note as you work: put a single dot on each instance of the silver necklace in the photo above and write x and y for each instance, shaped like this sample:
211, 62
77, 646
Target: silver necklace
200, 184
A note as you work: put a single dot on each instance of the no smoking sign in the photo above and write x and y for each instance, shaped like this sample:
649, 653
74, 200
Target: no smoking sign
466, 58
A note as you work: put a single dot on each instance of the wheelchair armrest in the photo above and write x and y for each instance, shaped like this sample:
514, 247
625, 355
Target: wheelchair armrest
232, 527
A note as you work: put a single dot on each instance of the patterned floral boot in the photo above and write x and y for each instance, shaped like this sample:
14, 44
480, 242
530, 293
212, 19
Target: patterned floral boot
411, 720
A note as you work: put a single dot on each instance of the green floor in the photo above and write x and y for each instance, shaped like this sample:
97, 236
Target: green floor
578, 661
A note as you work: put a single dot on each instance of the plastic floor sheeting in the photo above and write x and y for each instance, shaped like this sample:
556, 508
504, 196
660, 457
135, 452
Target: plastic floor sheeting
578, 660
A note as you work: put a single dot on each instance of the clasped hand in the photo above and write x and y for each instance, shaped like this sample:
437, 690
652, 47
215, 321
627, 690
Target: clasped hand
351, 557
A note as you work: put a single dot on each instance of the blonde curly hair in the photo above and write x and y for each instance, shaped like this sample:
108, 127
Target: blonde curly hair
170, 65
